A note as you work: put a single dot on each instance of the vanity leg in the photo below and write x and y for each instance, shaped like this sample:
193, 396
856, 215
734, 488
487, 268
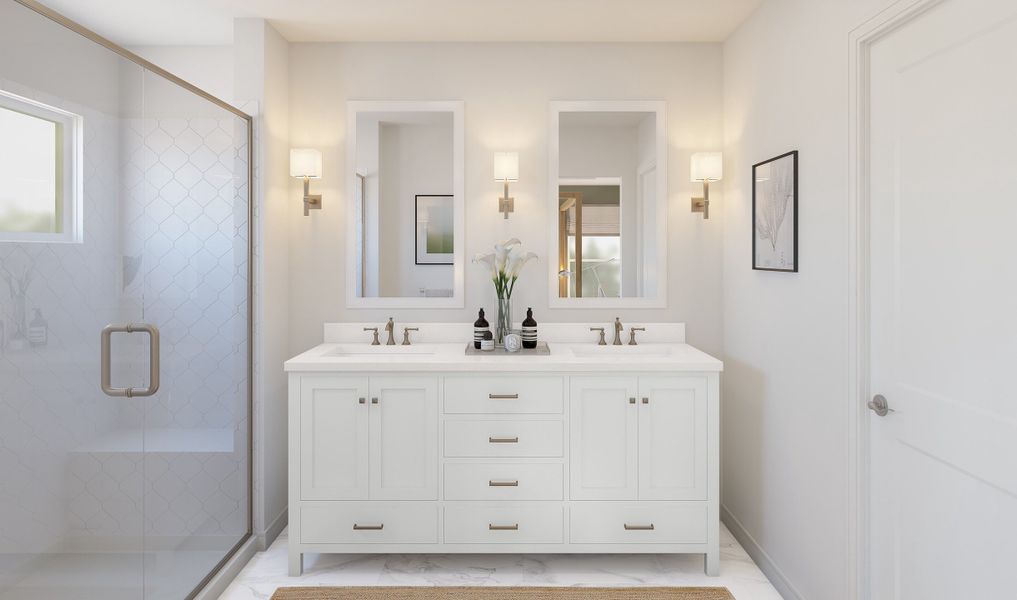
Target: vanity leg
712, 562
296, 563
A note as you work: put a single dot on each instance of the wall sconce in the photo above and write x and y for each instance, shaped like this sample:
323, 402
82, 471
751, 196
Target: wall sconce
506, 169
306, 163
706, 167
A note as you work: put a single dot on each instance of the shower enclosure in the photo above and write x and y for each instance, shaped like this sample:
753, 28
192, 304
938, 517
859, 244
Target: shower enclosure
125, 330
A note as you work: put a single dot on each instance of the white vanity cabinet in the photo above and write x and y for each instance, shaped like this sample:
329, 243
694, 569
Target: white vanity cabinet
460, 462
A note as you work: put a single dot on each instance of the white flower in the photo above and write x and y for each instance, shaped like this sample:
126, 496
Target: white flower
517, 262
501, 253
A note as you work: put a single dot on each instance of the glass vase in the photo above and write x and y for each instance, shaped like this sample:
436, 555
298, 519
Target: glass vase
503, 325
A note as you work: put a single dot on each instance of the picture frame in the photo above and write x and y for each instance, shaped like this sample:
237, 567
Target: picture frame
433, 218
775, 214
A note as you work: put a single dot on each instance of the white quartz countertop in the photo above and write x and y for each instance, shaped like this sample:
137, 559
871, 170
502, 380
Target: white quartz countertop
451, 357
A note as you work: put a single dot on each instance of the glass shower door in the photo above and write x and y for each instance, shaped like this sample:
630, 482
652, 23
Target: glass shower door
185, 233
105, 493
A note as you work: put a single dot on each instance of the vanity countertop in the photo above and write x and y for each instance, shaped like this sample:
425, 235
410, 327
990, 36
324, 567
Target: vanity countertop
451, 357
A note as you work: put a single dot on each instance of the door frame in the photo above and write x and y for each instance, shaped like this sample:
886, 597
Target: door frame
862, 38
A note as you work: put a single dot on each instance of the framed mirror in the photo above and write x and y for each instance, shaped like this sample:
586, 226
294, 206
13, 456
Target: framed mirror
405, 235
608, 204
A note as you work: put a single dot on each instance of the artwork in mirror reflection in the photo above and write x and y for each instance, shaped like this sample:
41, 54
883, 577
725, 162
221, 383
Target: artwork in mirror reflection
607, 204
403, 209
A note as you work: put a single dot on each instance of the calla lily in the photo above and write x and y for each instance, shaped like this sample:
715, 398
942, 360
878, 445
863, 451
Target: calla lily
505, 264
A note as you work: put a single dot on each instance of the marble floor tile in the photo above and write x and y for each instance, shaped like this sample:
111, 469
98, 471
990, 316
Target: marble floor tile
267, 571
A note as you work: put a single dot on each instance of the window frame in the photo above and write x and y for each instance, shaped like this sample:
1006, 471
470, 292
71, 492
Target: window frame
70, 184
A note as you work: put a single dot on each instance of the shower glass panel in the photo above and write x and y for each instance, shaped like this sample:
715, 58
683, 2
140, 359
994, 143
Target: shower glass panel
122, 496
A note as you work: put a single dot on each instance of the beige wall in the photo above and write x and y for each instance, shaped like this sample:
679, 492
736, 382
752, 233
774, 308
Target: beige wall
506, 89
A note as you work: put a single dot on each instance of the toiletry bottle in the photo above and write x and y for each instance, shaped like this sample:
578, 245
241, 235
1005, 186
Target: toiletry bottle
479, 328
529, 330
487, 344
38, 330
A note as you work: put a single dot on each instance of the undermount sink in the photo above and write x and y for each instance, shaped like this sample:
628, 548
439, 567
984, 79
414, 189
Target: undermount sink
625, 350
368, 350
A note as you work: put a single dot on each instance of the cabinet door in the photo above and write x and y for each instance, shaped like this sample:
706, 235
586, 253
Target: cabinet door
333, 438
603, 424
672, 438
404, 438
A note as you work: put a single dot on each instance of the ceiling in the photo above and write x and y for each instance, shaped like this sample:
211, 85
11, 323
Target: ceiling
209, 22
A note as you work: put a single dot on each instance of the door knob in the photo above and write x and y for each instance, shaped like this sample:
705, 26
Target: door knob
879, 405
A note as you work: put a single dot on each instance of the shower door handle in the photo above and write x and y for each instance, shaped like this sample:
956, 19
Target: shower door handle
153, 360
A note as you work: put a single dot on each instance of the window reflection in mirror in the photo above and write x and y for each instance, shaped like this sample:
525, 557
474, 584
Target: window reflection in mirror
607, 204
403, 205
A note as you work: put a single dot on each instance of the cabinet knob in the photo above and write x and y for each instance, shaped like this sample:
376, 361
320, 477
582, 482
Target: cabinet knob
646, 400
374, 400
362, 400
632, 400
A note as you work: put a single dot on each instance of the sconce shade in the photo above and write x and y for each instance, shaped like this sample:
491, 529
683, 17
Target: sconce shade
707, 166
506, 166
305, 162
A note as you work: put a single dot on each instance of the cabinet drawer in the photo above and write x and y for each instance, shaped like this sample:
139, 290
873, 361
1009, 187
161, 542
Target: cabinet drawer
503, 481
503, 438
368, 523
504, 395
638, 523
504, 524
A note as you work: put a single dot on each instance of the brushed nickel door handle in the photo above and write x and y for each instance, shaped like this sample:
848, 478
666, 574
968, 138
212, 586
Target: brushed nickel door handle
879, 405
504, 483
359, 527
503, 440
503, 396
649, 527
153, 360
512, 527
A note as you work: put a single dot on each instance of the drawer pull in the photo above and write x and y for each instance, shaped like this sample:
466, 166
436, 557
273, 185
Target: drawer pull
503, 396
493, 527
359, 527
510, 483
649, 527
503, 440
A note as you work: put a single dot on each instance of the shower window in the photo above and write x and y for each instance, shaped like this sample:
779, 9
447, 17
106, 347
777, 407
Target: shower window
40, 190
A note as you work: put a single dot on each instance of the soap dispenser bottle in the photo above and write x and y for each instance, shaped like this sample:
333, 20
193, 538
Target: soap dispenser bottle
480, 327
529, 330
38, 330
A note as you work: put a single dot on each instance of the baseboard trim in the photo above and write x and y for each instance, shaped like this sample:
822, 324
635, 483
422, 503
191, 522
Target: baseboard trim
266, 538
221, 580
761, 558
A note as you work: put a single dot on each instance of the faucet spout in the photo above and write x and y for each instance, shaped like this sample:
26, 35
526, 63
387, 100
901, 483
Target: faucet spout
618, 328
390, 330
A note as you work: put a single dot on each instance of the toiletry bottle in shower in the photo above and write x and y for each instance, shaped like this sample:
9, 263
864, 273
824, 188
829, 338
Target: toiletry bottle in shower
529, 330
480, 326
38, 330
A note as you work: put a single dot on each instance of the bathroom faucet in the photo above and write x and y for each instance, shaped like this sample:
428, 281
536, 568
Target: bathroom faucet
618, 327
390, 330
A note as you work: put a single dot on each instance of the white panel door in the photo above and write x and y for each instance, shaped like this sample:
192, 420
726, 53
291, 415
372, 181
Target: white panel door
603, 441
333, 438
404, 438
672, 438
943, 111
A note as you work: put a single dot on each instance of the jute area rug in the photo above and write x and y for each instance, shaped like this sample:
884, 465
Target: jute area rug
501, 593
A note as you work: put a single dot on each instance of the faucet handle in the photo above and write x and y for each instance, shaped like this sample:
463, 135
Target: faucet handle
406, 334
376, 341
602, 341
632, 335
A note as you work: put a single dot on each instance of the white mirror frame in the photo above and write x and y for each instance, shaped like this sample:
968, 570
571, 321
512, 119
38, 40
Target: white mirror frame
658, 107
456, 107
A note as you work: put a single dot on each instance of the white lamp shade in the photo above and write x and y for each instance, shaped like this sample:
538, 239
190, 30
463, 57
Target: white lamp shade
506, 166
305, 162
707, 166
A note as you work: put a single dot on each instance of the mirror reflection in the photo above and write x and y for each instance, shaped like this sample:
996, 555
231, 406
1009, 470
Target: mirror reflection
608, 225
403, 212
